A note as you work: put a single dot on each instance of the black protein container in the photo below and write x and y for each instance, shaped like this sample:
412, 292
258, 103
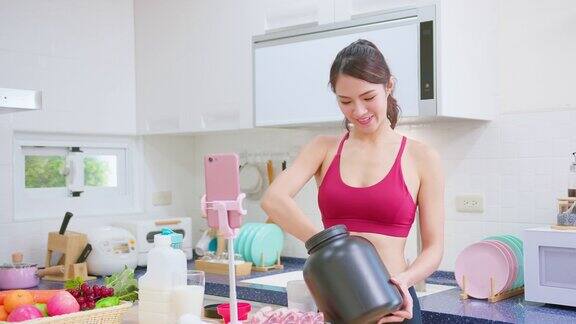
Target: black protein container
347, 278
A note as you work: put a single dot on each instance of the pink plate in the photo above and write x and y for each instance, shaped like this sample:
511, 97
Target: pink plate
478, 263
511, 261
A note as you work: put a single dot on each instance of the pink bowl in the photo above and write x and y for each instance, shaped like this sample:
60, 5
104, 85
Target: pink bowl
243, 310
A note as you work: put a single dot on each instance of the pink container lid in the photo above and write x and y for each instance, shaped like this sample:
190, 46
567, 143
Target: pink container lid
243, 311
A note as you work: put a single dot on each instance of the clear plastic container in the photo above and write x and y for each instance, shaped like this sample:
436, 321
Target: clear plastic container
165, 271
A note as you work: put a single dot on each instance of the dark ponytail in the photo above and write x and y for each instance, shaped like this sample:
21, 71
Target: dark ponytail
363, 60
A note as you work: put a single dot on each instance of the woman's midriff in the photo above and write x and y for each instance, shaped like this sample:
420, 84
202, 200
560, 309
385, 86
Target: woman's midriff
390, 249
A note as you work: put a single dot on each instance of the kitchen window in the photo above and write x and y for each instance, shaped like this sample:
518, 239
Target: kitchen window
85, 175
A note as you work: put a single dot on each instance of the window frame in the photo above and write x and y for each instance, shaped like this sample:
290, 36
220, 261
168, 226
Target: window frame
45, 203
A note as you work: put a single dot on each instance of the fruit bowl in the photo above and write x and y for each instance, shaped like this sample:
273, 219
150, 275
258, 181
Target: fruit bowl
108, 315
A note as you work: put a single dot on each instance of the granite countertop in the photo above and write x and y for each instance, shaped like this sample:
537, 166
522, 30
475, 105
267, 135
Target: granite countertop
441, 307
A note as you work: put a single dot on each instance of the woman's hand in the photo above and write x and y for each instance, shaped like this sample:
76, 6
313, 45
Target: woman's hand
405, 311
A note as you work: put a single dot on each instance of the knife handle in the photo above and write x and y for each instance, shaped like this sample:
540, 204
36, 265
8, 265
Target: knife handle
84, 255
65, 222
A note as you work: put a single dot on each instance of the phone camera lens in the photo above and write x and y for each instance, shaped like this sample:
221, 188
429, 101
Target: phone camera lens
210, 159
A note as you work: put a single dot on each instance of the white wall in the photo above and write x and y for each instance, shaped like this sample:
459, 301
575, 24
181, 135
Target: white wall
80, 54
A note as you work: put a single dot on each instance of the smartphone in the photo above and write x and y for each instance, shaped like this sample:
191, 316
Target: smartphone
222, 177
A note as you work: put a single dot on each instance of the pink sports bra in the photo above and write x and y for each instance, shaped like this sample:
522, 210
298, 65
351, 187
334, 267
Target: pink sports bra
384, 208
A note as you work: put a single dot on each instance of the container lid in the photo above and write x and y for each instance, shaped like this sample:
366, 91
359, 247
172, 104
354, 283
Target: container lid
17, 262
162, 240
210, 311
175, 238
326, 234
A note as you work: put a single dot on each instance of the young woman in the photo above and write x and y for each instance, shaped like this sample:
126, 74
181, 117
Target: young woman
371, 179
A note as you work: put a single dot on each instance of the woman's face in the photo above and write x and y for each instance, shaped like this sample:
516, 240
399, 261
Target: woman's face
364, 104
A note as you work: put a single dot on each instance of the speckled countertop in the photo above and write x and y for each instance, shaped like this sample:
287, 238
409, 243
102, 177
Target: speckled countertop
442, 307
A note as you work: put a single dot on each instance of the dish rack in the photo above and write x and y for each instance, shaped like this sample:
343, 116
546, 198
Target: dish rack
108, 315
493, 297
241, 269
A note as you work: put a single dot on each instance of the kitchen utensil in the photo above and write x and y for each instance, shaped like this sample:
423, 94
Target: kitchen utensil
517, 250
65, 222
239, 245
266, 245
250, 179
515, 239
57, 256
113, 249
347, 278
85, 253
240, 238
210, 311
246, 252
203, 244
270, 171
18, 275
243, 311
511, 261
478, 263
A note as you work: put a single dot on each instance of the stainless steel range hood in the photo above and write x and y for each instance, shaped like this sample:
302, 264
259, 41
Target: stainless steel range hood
14, 100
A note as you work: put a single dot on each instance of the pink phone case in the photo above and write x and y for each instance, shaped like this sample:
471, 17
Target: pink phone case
221, 173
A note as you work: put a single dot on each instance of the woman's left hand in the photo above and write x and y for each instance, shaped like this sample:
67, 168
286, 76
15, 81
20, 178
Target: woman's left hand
405, 311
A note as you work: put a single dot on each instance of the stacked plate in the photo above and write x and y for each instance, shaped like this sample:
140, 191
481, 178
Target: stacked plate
260, 243
491, 266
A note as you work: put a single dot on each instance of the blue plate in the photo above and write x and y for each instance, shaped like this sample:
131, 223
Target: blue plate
239, 244
267, 245
248, 240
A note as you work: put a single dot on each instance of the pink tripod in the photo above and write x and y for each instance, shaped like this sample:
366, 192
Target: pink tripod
223, 207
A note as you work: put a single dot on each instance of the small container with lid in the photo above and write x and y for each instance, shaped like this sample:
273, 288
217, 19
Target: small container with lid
347, 278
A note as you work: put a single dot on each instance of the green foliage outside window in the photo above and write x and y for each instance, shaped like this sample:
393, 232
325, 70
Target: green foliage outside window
44, 171
95, 172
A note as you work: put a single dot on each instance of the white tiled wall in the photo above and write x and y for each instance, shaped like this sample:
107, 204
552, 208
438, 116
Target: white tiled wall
519, 163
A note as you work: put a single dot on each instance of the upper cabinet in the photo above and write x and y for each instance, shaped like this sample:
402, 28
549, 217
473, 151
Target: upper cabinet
77, 56
14, 100
442, 54
194, 64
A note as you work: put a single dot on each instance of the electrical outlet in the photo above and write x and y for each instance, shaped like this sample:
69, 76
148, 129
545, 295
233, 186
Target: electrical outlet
162, 198
470, 203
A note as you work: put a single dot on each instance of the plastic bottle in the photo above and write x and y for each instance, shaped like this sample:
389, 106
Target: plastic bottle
165, 271
572, 177
347, 278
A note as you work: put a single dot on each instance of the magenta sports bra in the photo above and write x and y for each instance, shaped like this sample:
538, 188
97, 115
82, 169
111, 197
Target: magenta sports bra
384, 208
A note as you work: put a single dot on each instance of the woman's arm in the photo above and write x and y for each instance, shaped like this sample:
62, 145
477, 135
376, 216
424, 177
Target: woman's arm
278, 201
431, 214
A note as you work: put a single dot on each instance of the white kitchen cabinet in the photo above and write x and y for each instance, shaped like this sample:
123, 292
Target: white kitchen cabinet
79, 55
194, 64
466, 51
460, 70
287, 14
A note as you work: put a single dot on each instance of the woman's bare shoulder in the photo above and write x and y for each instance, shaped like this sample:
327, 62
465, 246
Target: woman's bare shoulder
325, 142
422, 153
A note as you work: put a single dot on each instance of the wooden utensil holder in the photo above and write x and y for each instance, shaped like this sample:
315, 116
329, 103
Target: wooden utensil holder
493, 297
70, 245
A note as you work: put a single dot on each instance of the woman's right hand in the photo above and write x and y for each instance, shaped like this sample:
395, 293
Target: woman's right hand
405, 311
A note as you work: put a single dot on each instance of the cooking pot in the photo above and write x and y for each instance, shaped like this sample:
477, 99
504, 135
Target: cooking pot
18, 275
